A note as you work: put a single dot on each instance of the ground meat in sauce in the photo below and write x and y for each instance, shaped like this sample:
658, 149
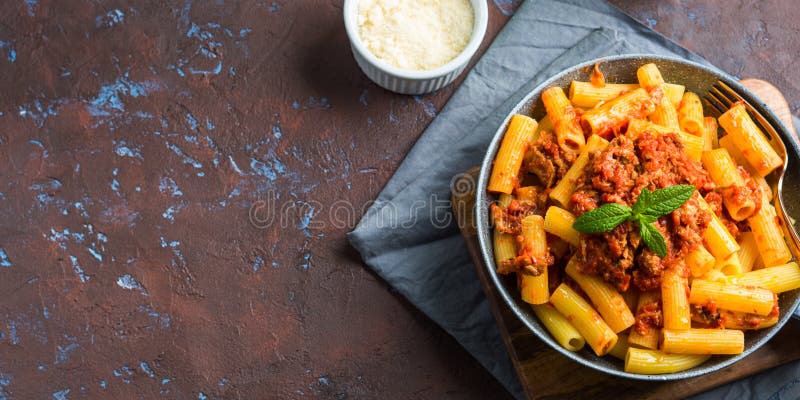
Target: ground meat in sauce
618, 174
548, 162
508, 219
648, 316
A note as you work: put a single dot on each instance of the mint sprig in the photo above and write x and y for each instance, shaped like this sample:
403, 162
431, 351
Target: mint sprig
648, 208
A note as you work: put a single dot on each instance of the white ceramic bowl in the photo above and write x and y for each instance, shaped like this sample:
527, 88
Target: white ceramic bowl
413, 82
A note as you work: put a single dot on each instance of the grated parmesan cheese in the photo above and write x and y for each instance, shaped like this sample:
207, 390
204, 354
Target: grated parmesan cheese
415, 34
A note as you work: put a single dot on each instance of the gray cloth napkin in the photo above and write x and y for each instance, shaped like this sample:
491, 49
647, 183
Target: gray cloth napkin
408, 236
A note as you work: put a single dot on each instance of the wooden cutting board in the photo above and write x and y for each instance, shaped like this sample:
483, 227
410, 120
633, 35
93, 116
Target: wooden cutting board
546, 374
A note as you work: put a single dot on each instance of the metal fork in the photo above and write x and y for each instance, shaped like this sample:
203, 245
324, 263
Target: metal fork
721, 97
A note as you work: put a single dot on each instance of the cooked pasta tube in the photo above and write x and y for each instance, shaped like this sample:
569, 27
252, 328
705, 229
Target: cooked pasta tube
721, 168
649, 339
747, 137
588, 322
504, 199
674, 92
703, 341
699, 261
605, 297
748, 251
528, 193
778, 279
745, 321
710, 134
690, 114
559, 327
644, 361
512, 150
566, 121
505, 249
614, 115
692, 145
733, 297
534, 288
558, 221
767, 231
664, 113
674, 300
730, 265
726, 143
564, 189
718, 239
621, 348
586, 95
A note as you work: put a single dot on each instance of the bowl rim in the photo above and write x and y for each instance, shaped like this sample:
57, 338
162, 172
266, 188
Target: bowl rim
484, 229
480, 22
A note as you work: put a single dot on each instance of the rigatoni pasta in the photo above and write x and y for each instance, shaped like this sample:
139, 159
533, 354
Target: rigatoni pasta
647, 223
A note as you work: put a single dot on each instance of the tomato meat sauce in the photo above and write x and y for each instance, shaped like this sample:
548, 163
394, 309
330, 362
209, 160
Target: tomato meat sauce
617, 175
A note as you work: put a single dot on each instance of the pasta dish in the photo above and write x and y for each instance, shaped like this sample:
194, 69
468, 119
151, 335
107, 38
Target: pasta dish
634, 224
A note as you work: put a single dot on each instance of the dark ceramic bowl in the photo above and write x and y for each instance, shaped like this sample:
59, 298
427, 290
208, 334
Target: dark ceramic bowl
620, 69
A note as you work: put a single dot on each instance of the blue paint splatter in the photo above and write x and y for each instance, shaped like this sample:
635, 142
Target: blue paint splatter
95, 254
270, 171
306, 261
363, 97
170, 212
305, 220
234, 166
692, 16
191, 138
313, 102
427, 106
275, 264
50, 186
169, 187
78, 270
192, 121
41, 368
110, 18
103, 384
259, 262
4, 260
244, 32
186, 159
109, 98
12, 332
209, 125
202, 396
31, 4
507, 7
11, 54
123, 150
61, 394
223, 382
276, 131
123, 372
45, 312
323, 380
651, 22
63, 352
146, 369
130, 283
273, 7
39, 112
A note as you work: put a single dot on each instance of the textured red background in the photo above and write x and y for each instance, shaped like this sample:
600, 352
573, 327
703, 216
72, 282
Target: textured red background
137, 137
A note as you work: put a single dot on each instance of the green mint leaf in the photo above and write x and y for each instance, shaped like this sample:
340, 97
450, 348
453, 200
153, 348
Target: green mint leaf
666, 200
602, 219
652, 239
643, 201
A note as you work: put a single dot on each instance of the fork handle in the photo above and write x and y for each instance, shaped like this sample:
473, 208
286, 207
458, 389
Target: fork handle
774, 99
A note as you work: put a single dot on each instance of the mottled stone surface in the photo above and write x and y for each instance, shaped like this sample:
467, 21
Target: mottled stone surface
141, 147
